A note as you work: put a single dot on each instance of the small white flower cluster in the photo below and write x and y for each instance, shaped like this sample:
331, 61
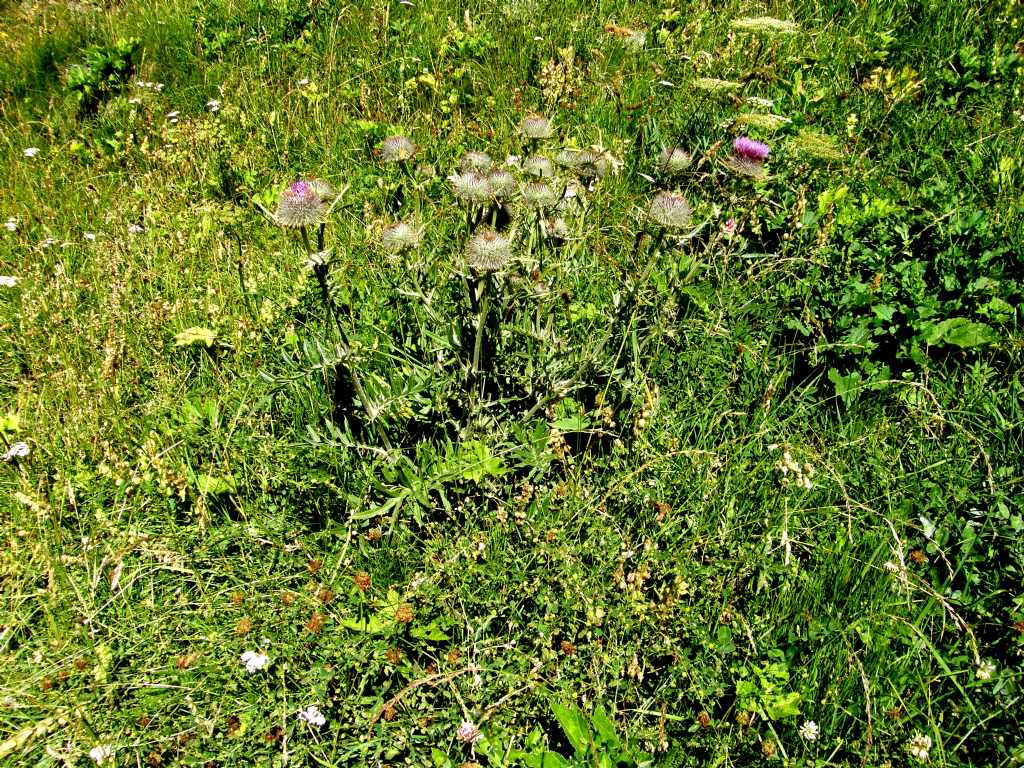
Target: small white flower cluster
919, 747
102, 754
313, 716
11, 225
16, 451
8, 281
172, 117
148, 86
213, 105
30, 151
794, 472
254, 661
985, 670
809, 731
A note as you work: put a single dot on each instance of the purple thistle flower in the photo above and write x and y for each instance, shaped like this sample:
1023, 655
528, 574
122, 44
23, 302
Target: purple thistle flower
299, 206
748, 149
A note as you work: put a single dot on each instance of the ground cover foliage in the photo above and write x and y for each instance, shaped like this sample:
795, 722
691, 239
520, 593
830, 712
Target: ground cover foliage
340, 429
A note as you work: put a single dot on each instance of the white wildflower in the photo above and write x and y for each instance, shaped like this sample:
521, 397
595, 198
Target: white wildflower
135, 229
11, 225
30, 151
919, 747
8, 281
102, 754
90, 236
809, 731
254, 661
313, 716
213, 105
16, 451
985, 670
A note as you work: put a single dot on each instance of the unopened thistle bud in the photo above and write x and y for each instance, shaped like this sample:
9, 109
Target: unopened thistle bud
471, 187
670, 210
479, 162
400, 237
535, 165
539, 194
501, 183
536, 127
397, 149
674, 160
487, 251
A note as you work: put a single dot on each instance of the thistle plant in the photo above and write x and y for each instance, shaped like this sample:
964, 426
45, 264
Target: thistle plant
476, 162
301, 206
486, 253
474, 190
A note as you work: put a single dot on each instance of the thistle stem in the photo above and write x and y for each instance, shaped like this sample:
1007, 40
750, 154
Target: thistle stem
481, 324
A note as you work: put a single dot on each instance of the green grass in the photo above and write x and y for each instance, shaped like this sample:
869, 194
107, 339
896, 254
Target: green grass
600, 519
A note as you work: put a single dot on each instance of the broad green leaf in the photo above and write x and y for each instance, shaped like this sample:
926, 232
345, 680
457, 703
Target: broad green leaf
960, 332
784, 705
574, 725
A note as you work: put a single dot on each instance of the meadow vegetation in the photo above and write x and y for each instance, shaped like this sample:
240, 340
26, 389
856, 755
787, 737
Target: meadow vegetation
526, 383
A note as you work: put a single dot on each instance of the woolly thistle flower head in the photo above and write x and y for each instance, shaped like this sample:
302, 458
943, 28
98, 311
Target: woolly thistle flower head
502, 184
471, 187
673, 160
399, 237
539, 194
478, 162
299, 206
536, 127
750, 149
535, 165
670, 210
487, 251
745, 166
397, 149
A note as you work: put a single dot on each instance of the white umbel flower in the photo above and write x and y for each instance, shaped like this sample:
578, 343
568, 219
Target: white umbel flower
102, 754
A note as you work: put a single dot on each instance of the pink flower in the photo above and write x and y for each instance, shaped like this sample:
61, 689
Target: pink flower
467, 732
729, 227
749, 149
